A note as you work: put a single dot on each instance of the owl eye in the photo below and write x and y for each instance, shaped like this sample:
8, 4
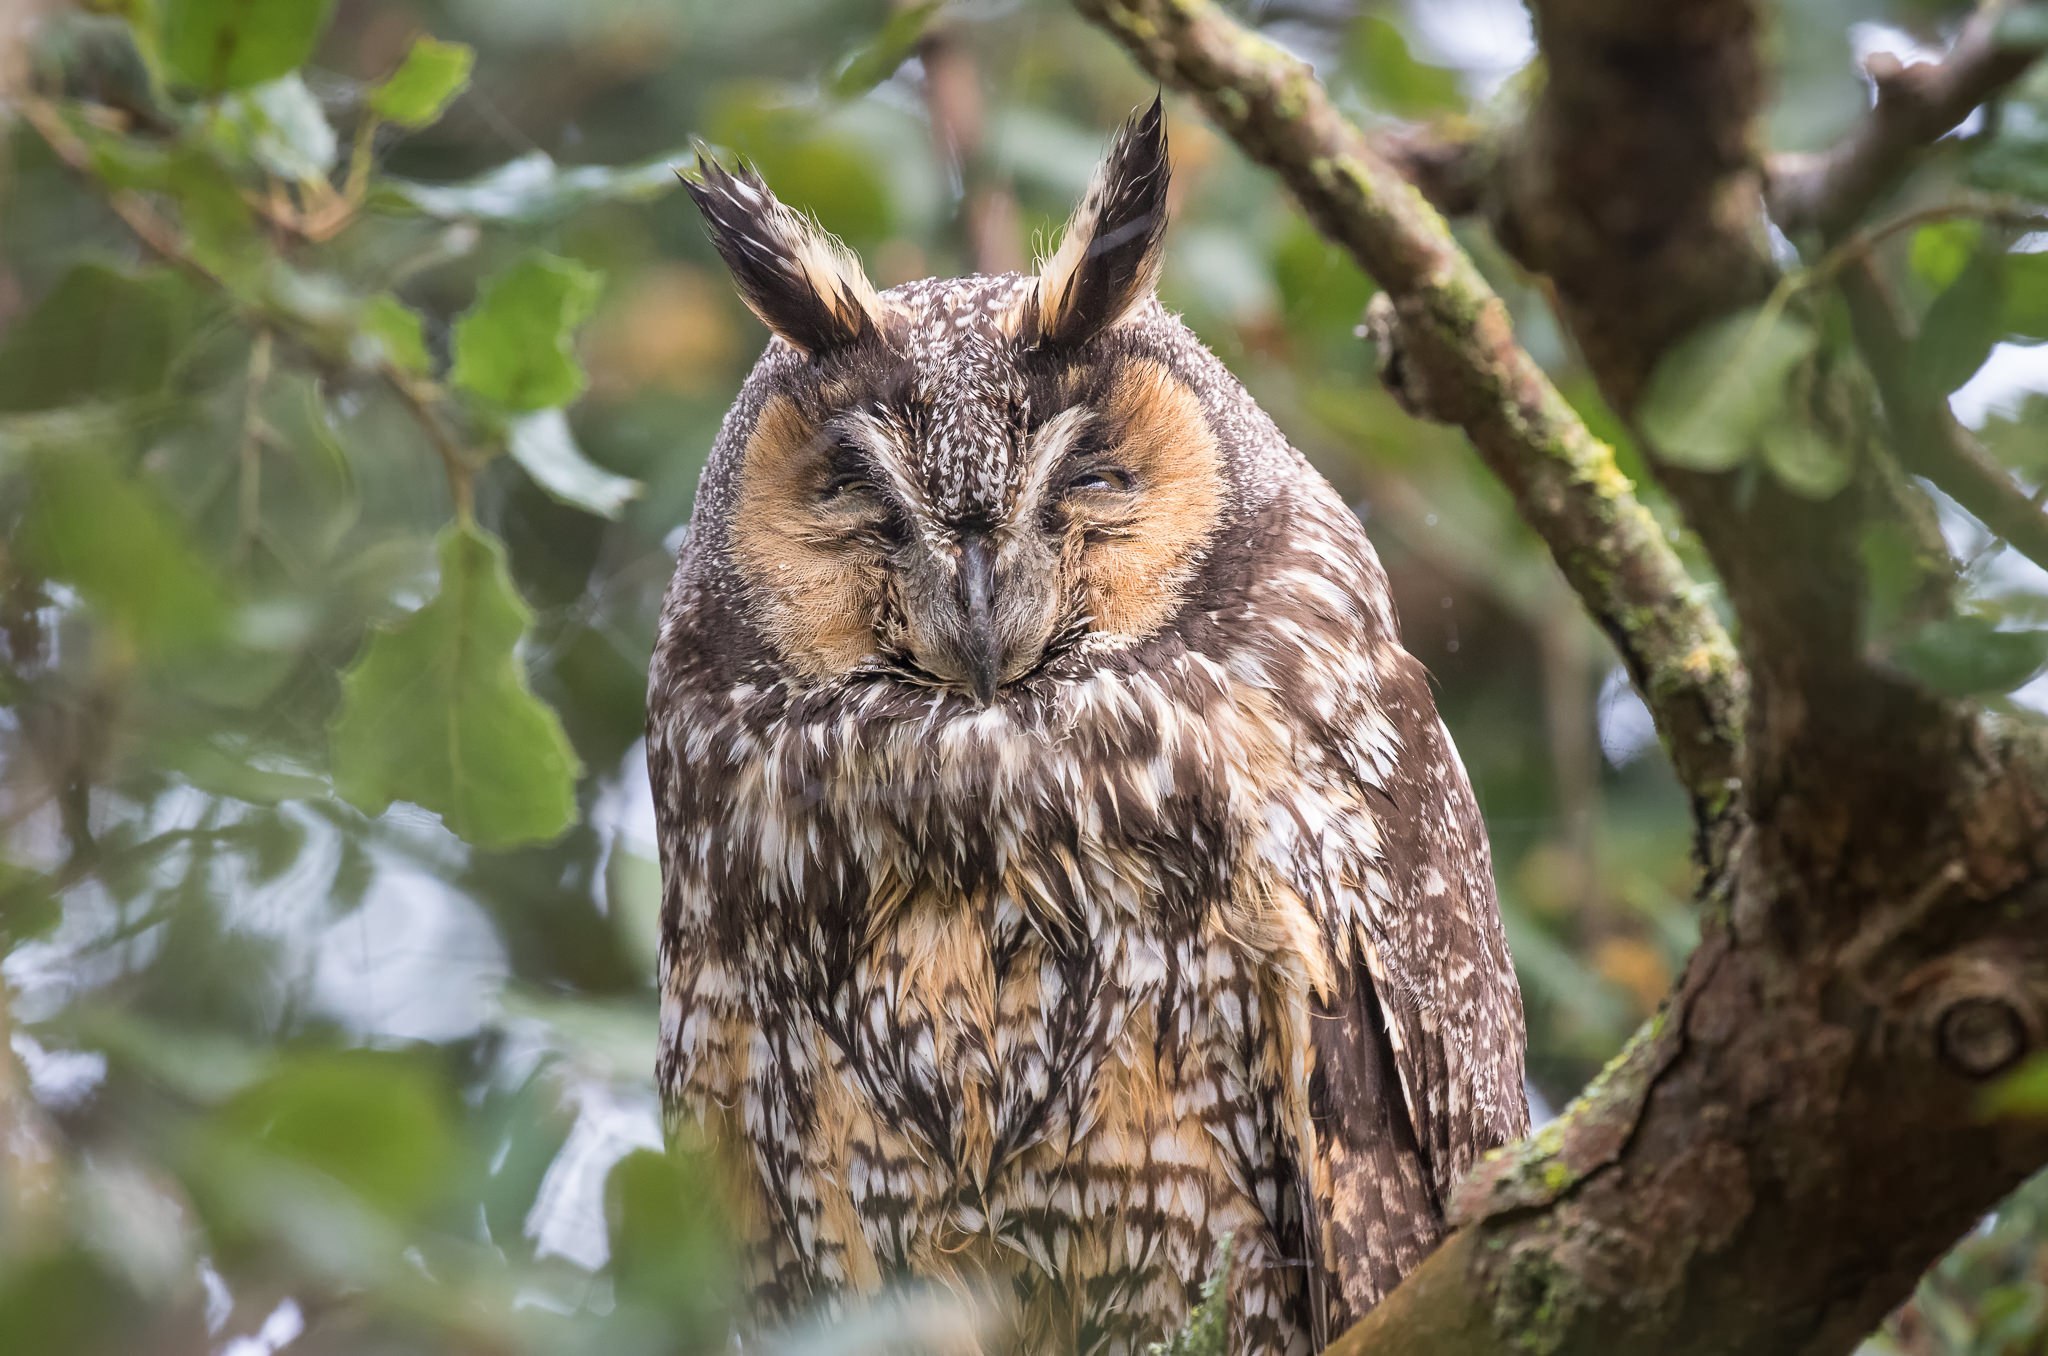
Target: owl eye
842, 483
846, 474
1093, 478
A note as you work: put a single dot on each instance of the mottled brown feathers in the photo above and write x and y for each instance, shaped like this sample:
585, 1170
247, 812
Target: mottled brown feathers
1172, 921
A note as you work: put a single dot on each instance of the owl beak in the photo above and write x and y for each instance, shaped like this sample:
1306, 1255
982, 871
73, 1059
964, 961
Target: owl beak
977, 599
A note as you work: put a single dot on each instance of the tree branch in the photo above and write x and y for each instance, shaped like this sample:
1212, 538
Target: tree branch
1927, 436
1916, 106
1455, 330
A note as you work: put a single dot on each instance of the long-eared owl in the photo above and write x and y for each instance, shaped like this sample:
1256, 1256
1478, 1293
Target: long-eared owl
1064, 866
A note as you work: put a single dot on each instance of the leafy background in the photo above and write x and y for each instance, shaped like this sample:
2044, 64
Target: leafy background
357, 364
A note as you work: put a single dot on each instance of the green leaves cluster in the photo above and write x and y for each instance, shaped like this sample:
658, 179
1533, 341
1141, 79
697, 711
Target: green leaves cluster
1779, 386
259, 277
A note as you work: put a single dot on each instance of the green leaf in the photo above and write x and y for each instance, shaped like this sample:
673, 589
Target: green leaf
513, 347
875, 60
375, 1122
533, 190
1894, 569
29, 905
224, 764
437, 711
2019, 436
1394, 78
2015, 161
2021, 1094
1712, 394
102, 334
669, 1236
1961, 326
395, 328
219, 230
1941, 251
420, 90
2026, 297
1970, 656
1803, 457
221, 45
281, 127
109, 537
543, 444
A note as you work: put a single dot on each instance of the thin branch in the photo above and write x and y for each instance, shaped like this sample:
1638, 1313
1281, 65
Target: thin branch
421, 398
1456, 333
1927, 437
249, 489
1859, 246
1917, 104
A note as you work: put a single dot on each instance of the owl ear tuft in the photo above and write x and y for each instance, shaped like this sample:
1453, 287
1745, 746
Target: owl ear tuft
803, 283
1108, 258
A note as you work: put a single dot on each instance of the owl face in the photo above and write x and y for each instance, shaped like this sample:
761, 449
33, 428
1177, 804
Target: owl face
956, 482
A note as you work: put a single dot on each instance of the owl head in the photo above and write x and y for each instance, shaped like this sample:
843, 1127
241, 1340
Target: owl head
958, 481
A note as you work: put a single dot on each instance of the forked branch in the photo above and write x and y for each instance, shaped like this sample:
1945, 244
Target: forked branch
1917, 104
1455, 331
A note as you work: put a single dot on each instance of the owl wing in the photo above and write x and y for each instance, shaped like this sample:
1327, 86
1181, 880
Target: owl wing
1416, 1039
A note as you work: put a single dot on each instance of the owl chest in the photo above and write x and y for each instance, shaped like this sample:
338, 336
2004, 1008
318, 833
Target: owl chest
977, 1099
967, 1041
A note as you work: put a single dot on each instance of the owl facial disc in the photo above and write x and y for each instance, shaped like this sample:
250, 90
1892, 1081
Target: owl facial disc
957, 482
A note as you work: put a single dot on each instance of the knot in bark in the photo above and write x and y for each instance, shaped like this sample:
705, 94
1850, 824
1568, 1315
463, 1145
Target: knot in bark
1981, 1036
1978, 1013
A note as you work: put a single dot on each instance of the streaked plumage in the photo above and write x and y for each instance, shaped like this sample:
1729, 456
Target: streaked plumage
1064, 864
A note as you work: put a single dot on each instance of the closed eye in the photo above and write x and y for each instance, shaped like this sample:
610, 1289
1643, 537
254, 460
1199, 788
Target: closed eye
1113, 478
847, 474
842, 483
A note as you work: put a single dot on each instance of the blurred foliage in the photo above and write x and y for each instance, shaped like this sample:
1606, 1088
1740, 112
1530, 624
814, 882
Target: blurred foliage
355, 375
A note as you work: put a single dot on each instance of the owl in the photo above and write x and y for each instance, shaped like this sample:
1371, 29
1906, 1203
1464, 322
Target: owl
1065, 870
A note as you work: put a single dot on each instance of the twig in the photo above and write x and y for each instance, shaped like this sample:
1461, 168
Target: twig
421, 398
249, 491
1564, 481
1858, 247
1916, 106
1928, 438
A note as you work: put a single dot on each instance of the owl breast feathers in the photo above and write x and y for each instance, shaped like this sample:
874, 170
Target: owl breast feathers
1065, 869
